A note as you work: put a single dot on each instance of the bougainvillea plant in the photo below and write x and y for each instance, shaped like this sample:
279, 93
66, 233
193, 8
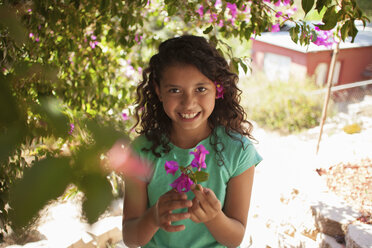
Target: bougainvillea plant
219, 89
188, 177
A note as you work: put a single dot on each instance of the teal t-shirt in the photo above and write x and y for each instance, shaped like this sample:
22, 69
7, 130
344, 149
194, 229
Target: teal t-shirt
237, 159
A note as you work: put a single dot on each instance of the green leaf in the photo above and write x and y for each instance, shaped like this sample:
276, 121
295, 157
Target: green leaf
320, 4
352, 31
208, 30
307, 5
172, 10
201, 176
244, 66
345, 30
329, 19
43, 182
98, 195
293, 32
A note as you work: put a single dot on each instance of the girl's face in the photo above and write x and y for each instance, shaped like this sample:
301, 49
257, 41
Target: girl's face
188, 98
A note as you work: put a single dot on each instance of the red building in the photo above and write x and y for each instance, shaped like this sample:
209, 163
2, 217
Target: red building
279, 57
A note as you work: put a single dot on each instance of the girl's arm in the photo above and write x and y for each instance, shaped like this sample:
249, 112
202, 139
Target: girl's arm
139, 223
228, 225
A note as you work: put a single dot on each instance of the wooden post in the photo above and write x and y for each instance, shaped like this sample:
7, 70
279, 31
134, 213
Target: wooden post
328, 93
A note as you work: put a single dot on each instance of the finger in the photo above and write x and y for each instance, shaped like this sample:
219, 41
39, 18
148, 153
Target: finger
172, 205
200, 196
171, 228
173, 195
178, 216
212, 199
197, 213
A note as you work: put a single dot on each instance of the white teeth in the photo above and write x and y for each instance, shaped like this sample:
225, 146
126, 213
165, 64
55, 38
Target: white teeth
189, 116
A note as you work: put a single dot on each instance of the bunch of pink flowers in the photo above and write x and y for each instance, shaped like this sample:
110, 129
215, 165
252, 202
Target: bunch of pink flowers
188, 177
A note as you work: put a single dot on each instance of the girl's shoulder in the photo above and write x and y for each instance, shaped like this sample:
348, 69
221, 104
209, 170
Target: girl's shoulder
232, 138
140, 142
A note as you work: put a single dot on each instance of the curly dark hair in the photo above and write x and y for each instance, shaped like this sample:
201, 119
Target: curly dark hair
196, 51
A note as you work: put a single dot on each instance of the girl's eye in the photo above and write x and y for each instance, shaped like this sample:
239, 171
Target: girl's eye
201, 89
174, 90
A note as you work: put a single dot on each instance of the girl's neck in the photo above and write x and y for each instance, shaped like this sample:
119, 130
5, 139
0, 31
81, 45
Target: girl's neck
188, 139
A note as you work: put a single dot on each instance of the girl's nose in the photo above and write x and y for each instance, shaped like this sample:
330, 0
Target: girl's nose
187, 99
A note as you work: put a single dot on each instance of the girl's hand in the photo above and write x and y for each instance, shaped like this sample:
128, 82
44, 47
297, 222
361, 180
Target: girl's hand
163, 210
205, 205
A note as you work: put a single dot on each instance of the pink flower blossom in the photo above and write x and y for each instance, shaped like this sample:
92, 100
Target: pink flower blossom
182, 183
93, 44
200, 11
30, 35
278, 14
138, 38
171, 167
218, 3
277, 3
275, 28
213, 17
233, 9
93, 37
72, 128
124, 116
286, 2
219, 89
199, 159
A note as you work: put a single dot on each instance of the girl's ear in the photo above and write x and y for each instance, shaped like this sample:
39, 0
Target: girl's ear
157, 90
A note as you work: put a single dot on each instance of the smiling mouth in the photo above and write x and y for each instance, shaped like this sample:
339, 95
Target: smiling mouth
189, 116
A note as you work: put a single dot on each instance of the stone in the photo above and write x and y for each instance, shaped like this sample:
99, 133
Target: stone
359, 235
103, 232
332, 215
326, 241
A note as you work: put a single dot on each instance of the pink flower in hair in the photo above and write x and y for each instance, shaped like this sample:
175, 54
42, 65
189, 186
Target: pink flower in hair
219, 89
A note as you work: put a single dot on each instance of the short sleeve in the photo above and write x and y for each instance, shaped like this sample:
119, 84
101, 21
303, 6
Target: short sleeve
246, 158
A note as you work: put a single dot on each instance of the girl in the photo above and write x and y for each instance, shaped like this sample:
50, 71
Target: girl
189, 97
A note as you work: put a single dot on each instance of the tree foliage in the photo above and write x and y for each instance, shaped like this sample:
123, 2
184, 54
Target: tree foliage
69, 70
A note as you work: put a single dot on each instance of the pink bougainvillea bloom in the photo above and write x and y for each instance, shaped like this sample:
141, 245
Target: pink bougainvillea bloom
199, 157
278, 14
124, 116
233, 9
93, 37
138, 38
37, 39
93, 44
213, 17
72, 128
286, 2
200, 11
275, 28
219, 89
171, 167
218, 3
31, 35
277, 3
182, 183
